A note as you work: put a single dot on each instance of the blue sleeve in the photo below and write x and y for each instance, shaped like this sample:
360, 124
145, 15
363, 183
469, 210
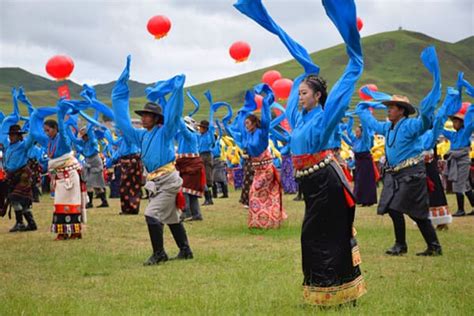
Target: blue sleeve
63, 137
120, 107
349, 138
368, 121
73, 137
448, 134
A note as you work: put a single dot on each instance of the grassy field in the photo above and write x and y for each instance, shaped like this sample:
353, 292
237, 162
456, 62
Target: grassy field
235, 271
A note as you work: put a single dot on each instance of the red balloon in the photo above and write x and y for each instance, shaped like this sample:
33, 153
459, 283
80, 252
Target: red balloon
239, 51
159, 26
282, 88
270, 77
60, 67
364, 96
259, 100
360, 24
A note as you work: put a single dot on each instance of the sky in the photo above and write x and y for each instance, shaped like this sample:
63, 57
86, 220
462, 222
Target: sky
99, 34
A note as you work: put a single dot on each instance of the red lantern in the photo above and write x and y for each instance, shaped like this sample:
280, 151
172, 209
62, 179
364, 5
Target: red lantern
360, 24
239, 51
282, 88
364, 96
270, 77
259, 100
60, 67
159, 26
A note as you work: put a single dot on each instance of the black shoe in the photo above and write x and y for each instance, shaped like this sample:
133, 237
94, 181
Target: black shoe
89, 205
397, 250
184, 255
31, 222
459, 213
19, 227
156, 258
197, 219
104, 204
431, 252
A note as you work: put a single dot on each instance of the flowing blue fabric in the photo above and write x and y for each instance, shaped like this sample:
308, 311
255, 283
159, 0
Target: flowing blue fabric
194, 101
376, 95
255, 10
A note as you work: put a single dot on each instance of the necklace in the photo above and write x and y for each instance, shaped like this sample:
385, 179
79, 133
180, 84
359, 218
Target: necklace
389, 145
52, 149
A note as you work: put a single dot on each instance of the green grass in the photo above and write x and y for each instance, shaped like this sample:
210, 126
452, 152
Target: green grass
236, 271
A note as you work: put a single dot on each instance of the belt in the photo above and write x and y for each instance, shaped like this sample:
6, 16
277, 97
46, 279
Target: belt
161, 171
309, 163
410, 162
187, 156
262, 163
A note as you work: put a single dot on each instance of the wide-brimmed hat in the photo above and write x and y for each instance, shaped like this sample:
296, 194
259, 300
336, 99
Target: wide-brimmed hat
462, 112
152, 108
190, 123
401, 101
15, 129
204, 123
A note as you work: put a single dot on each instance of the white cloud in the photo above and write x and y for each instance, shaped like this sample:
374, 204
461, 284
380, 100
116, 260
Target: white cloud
99, 34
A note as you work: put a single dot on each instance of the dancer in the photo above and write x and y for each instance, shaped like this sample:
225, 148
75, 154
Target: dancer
191, 168
156, 141
365, 186
458, 157
265, 196
405, 189
330, 253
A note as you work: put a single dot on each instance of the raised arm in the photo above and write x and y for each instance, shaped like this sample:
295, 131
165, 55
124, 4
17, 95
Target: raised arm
428, 104
120, 106
173, 109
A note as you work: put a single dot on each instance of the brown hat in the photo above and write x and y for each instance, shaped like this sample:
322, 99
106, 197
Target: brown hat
15, 129
401, 101
152, 108
204, 123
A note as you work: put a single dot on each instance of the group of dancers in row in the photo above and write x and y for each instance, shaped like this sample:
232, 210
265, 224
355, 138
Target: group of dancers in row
175, 178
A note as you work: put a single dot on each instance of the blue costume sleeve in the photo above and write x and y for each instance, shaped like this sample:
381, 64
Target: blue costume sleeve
343, 16
120, 106
255, 10
367, 119
268, 100
194, 101
36, 124
419, 125
173, 109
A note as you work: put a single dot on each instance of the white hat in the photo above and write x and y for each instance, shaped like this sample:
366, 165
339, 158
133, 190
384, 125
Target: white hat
190, 123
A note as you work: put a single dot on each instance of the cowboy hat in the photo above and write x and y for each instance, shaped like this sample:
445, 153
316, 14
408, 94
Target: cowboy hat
151, 108
204, 123
15, 129
190, 123
401, 101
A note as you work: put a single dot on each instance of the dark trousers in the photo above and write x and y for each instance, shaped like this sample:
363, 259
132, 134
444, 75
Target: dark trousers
424, 225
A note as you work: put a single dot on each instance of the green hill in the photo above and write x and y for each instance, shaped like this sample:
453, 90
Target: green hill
392, 62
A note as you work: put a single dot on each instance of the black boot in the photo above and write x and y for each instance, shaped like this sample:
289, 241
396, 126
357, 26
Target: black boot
397, 250
103, 199
434, 249
207, 198
156, 236
19, 226
214, 190
460, 201
181, 239
430, 237
30, 220
91, 196
225, 190
470, 197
